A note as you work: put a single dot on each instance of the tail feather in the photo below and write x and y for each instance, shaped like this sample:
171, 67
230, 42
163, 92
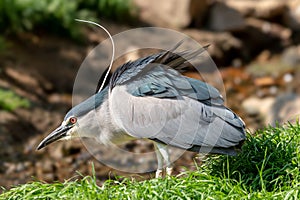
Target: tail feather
231, 151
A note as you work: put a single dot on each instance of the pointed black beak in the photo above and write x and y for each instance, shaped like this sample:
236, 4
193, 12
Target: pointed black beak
57, 134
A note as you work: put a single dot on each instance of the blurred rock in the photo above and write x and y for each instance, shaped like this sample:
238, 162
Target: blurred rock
273, 90
31, 145
250, 106
47, 177
265, 9
198, 11
44, 170
9, 167
261, 107
286, 108
291, 56
264, 56
224, 18
272, 110
258, 37
264, 81
171, 13
39, 170
56, 151
272, 68
287, 78
272, 29
292, 15
47, 166
223, 46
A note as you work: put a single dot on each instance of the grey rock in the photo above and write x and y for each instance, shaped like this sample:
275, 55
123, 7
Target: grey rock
286, 108
171, 13
258, 106
265, 9
223, 46
291, 56
224, 18
291, 17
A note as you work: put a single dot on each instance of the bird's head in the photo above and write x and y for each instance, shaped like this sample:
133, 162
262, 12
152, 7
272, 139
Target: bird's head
80, 121
67, 130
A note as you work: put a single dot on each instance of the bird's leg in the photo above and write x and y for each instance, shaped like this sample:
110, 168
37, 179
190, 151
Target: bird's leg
164, 153
160, 162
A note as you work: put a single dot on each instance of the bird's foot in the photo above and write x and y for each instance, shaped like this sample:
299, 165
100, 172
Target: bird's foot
159, 173
169, 171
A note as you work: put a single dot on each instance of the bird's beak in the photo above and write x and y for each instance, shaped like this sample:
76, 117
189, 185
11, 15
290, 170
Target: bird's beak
57, 134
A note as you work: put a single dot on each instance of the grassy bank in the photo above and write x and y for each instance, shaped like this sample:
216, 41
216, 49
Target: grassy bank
267, 168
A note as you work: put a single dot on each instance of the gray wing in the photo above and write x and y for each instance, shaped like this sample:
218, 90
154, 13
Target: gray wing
165, 82
162, 105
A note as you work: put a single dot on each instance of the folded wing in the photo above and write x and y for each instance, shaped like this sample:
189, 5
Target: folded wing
151, 99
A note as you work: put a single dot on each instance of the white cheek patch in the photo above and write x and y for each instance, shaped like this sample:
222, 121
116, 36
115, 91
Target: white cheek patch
68, 137
72, 133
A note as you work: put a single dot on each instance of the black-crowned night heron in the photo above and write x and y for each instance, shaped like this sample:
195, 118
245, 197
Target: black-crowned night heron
149, 98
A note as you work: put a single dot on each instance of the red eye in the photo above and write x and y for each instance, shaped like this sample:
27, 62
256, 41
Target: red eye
73, 120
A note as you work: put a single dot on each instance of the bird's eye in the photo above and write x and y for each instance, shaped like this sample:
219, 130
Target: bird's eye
73, 120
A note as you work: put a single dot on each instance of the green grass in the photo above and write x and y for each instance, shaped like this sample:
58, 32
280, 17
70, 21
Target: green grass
10, 101
267, 168
58, 16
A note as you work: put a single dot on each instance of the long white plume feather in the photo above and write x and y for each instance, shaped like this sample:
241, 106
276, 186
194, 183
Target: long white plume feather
113, 48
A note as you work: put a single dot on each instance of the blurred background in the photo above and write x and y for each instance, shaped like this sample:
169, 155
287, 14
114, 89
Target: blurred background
255, 44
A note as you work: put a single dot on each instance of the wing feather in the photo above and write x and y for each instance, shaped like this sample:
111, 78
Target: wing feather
183, 123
